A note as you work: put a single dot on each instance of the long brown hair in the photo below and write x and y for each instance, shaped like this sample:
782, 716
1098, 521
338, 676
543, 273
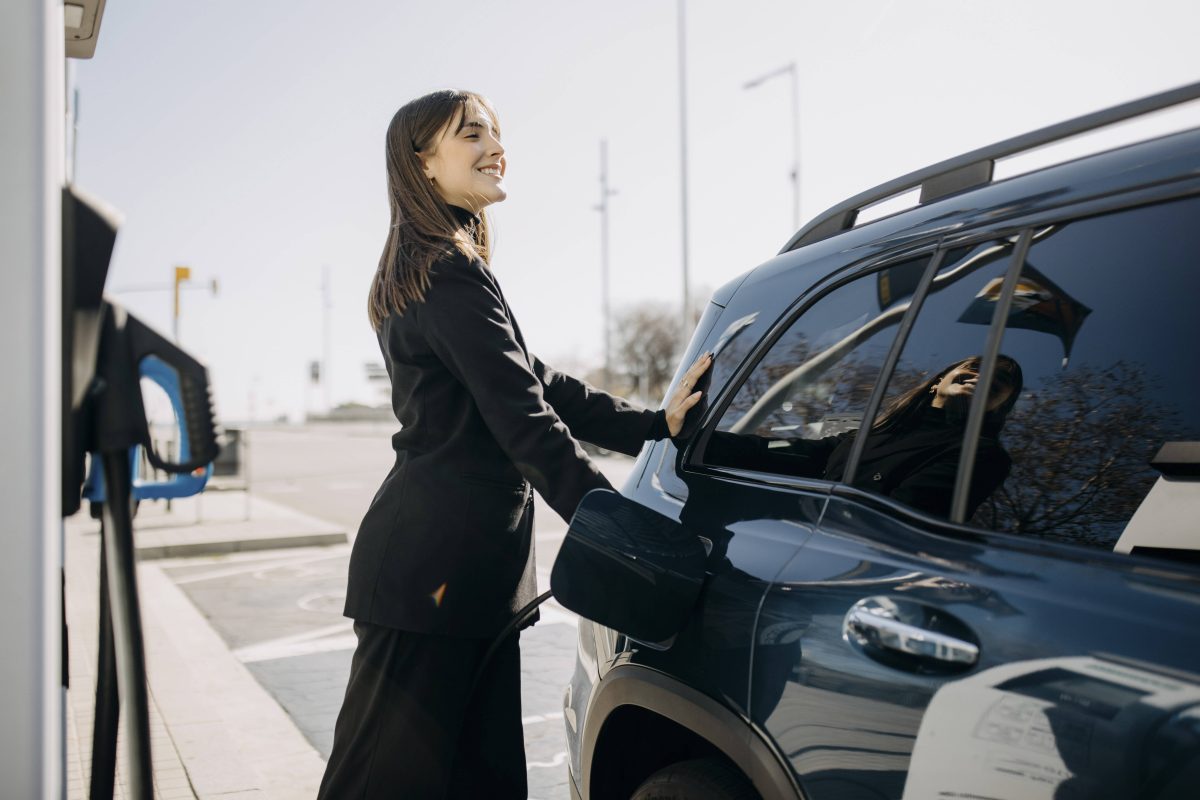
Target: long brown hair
907, 408
423, 228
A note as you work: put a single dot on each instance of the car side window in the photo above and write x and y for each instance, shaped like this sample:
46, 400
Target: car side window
916, 437
1105, 327
809, 391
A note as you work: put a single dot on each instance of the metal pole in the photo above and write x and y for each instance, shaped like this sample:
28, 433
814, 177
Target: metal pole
605, 299
325, 356
792, 71
795, 145
244, 445
683, 162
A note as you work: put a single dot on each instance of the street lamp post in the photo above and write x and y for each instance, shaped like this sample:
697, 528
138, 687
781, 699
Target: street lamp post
606, 310
790, 70
683, 162
326, 347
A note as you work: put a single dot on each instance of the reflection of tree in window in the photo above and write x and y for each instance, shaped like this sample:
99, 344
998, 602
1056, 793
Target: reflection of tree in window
727, 361
842, 390
778, 363
1081, 444
849, 387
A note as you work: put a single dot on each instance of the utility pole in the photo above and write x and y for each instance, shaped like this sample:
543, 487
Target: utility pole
326, 351
181, 274
606, 309
683, 163
789, 69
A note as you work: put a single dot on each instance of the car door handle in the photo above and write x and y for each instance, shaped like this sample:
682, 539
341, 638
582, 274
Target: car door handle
872, 624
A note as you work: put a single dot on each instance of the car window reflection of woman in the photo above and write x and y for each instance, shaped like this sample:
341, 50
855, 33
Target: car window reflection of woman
913, 449
444, 555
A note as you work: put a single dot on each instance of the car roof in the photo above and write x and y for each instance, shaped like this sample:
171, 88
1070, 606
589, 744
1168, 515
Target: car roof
977, 167
1153, 162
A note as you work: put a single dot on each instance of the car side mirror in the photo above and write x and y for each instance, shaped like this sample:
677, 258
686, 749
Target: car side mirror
629, 568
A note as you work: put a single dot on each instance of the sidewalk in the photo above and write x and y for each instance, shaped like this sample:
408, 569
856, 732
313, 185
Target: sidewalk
215, 732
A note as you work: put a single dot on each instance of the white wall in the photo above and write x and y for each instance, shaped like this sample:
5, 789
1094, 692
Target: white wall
31, 110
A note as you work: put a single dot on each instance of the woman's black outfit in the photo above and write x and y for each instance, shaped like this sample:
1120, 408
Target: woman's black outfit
445, 556
914, 460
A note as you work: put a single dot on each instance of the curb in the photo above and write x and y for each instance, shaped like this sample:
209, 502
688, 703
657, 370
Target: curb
232, 736
222, 735
223, 547
240, 524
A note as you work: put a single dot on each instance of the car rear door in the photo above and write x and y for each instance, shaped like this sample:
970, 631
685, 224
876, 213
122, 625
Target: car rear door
984, 640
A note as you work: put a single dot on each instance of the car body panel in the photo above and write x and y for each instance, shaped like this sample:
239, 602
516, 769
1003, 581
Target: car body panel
1087, 679
848, 722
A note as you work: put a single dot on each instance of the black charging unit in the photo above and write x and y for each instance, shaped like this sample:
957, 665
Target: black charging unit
103, 414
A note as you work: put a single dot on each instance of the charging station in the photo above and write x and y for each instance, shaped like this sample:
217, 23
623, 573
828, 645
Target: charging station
32, 165
75, 366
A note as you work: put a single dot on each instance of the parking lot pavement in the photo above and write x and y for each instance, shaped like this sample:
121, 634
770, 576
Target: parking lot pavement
280, 615
215, 732
279, 611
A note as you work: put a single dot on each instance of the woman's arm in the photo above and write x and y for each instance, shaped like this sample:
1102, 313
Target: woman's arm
614, 423
596, 416
465, 322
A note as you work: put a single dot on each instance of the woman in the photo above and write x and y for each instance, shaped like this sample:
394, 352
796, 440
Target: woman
444, 556
913, 450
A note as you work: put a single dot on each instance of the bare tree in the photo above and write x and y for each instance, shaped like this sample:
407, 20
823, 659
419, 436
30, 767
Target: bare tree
647, 344
1081, 444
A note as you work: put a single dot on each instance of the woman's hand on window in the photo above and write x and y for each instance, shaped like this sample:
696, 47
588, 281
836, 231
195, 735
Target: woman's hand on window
685, 395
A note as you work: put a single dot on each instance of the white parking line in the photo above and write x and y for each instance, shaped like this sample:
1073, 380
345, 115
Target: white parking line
255, 653
318, 640
277, 488
340, 636
559, 759
537, 719
259, 565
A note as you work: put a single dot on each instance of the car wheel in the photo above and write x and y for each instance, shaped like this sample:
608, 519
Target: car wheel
700, 779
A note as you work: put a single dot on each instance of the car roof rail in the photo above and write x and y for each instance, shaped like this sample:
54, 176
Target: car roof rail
975, 168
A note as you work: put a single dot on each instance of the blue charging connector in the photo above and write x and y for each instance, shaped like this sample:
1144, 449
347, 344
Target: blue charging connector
179, 485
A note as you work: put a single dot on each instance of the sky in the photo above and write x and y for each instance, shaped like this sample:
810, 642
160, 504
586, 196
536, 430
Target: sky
245, 141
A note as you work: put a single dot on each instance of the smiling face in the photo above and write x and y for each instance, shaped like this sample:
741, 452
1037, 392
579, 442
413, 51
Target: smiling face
466, 161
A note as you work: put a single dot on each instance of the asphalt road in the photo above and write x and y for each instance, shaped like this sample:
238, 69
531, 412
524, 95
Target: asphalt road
280, 611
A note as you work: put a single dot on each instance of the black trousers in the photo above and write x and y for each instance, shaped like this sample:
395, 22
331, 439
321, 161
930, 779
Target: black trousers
410, 726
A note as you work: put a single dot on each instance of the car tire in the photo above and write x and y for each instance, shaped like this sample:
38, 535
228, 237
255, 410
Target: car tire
700, 779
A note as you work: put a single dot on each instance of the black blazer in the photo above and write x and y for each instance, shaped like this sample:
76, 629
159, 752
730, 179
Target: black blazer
446, 545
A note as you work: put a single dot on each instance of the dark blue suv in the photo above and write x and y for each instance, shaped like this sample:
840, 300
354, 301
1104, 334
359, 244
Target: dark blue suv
934, 531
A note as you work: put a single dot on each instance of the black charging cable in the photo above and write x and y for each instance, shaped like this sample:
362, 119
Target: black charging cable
520, 618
